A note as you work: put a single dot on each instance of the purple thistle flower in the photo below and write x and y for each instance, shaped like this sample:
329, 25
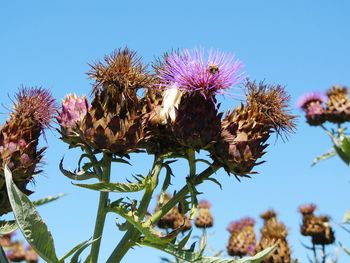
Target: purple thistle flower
193, 70
37, 103
310, 97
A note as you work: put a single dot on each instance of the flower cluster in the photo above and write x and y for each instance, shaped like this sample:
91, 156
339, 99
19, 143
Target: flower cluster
333, 107
19, 137
178, 111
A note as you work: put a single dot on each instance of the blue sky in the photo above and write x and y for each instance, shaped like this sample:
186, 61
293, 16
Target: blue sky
301, 44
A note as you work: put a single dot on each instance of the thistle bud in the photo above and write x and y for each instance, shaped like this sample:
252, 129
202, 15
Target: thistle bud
19, 136
245, 131
242, 240
274, 233
70, 118
338, 104
312, 104
204, 218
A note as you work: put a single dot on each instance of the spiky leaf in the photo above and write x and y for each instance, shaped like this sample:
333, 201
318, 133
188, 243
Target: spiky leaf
79, 176
47, 199
7, 227
77, 250
115, 187
29, 221
324, 156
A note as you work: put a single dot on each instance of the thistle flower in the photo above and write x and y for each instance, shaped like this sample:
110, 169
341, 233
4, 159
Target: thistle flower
244, 132
338, 104
317, 227
19, 138
274, 233
204, 218
113, 123
307, 209
194, 71
242, 240
312, 104
37, 104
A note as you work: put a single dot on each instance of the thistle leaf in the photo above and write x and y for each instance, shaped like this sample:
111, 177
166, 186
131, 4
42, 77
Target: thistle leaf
79, 176
47, 199
347, 251
254, 259
29, 221
324, 156
77, 250
3, 257
144, 227
7, 227
115, 187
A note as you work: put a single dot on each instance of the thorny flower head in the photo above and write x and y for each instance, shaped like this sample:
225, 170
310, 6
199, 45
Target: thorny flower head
121, 70
36, 103
193, 70
237, 226
273, 102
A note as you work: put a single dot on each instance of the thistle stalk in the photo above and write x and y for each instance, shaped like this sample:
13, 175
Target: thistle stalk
132, 234
102, 209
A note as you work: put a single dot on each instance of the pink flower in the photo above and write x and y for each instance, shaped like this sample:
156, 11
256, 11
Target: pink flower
74, 109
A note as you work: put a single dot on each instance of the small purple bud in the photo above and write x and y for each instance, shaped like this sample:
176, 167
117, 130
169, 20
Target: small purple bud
74, 109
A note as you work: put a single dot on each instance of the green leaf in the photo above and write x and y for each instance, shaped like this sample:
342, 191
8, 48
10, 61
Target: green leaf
144, 227
120, 160
184, 241
214, 181
194, 201
29, 221
255, 259
203, 161
183, 254
47, 199
77, 250
346, 218
7, 227
324, 156
115, 187
79, 176
3, 258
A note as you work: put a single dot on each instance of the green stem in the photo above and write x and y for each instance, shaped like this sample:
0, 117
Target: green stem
132, 234
323, 254
183, 192
191, 155
102, 210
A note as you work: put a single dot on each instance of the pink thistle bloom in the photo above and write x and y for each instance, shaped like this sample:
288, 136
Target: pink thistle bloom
38, 103
237, 226
307, 208
193, 70
74, 109
309, 97
204, 204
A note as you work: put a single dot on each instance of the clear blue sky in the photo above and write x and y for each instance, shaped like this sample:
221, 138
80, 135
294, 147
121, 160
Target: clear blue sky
302, 44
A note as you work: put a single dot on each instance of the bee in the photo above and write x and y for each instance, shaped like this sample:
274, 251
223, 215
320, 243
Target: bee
213, 69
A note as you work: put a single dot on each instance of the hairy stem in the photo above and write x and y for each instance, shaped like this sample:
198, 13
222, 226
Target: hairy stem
315, 252
323, 254
132, 234
102, 210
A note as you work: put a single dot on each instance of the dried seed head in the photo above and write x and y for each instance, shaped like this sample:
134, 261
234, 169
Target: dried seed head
120, 71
